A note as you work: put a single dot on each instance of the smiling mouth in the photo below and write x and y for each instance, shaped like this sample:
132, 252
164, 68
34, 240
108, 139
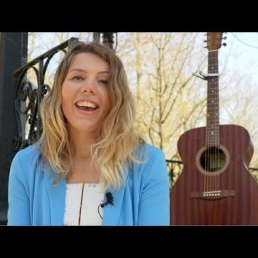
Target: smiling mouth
86, 105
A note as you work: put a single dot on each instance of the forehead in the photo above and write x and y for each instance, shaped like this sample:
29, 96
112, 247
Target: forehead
86, 60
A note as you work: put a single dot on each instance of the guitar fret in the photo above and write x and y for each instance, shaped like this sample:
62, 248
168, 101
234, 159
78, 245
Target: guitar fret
212, 119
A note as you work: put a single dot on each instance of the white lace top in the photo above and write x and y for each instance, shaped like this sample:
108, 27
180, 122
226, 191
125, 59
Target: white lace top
82, 204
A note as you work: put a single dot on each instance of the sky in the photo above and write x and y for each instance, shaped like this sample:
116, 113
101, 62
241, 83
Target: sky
245, 47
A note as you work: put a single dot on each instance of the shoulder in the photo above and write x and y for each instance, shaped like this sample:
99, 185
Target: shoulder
153, 150
29, 153
26, 158
27, 165
150, 152
154, 162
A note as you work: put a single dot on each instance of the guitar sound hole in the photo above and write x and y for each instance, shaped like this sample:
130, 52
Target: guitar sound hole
212, 159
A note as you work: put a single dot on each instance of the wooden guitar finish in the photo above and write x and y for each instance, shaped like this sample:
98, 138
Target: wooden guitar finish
215, 186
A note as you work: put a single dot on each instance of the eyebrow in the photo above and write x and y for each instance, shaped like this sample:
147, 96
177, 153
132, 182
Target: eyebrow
81, 70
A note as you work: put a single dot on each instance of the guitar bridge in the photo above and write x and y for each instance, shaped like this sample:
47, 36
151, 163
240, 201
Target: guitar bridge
213, 195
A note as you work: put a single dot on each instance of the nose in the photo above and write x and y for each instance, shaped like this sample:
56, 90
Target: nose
88, 87
88, 90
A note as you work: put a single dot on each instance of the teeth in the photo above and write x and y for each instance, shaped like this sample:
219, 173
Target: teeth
86, 104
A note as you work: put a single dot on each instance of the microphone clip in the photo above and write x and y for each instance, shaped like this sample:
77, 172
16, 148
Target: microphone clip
109, 200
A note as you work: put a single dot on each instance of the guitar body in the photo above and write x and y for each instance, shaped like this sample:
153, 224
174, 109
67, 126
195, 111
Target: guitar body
215, 186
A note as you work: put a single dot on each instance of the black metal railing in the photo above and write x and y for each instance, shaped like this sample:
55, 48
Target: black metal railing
29, 95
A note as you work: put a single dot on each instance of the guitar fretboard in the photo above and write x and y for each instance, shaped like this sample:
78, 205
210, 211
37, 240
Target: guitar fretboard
212, 123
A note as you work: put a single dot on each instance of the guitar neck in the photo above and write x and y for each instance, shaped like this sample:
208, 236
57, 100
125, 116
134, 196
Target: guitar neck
212, 122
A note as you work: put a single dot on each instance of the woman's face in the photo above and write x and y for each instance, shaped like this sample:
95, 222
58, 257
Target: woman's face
85, 95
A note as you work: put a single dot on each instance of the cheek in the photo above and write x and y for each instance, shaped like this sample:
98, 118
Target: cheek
66, 97
67, 92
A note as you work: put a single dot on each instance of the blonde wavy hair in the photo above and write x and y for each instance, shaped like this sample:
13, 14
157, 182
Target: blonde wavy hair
114, 150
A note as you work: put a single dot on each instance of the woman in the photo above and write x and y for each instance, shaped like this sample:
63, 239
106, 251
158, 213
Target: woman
89, 167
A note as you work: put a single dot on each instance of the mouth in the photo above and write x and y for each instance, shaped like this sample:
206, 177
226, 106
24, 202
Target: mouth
86, 105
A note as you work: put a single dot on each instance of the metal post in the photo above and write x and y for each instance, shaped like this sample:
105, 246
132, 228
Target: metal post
13, 54
108, 39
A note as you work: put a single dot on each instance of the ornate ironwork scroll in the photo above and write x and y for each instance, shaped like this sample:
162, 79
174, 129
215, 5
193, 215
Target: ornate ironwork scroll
29, 95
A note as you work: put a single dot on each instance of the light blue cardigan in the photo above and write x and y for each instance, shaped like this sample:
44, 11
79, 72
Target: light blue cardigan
34, 200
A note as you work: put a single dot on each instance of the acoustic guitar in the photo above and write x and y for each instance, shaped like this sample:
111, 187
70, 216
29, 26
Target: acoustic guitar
215, 186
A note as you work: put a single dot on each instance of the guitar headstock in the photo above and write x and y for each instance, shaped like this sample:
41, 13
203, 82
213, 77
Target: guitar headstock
214, 40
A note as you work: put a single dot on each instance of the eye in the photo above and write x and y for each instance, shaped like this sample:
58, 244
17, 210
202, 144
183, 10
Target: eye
77, 78
105, 82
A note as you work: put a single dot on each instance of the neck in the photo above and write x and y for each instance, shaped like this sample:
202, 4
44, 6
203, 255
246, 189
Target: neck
81, 144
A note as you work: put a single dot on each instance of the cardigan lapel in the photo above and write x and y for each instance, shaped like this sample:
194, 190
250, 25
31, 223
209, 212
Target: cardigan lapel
111, 212
56, 194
